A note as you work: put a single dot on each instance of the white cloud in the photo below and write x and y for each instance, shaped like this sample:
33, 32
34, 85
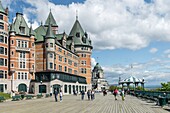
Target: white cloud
153, 50
111, 24
93, 62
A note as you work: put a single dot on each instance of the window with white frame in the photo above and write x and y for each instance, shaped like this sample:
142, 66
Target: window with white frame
5, 62
60, 68
2, 38
19, 75
1, 74
60, 58
51, 65
69, 70
26, 76
22, 29
75, 72
6, 40
1, 50
65, 68
83, 62
22, 44
1, 62
51, 55
83, 55
22, 60
6, 75
6, 51
22, 76
83, 70
69, 62
1, 25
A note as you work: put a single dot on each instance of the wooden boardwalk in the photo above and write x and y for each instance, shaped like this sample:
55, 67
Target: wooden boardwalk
73, 104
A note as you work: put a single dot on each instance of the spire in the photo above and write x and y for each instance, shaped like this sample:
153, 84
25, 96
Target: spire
32, 33
49, 33
2, 10
51, 20
76, 14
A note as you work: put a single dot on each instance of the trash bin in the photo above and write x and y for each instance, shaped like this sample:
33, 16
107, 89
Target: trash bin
162, 101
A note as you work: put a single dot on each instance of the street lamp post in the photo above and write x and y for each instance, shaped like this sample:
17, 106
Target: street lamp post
41, 87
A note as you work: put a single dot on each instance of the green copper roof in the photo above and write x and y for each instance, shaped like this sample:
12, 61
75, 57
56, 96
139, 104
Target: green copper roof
50, 20
79, 36
97, 67
76, 28
50, 33
1, 8
40, 33
21, 23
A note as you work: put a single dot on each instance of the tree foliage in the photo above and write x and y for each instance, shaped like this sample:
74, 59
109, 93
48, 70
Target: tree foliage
165, 86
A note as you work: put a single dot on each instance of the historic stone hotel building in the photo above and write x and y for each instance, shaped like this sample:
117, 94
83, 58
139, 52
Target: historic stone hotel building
37, 61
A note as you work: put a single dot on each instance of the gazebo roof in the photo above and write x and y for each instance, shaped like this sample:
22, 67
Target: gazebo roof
131, 79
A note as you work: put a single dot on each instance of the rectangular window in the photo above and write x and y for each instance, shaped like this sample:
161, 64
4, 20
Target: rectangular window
75, 72
19, 76
1, 25
59, 49
26, 76
22, 76
19, 43
1, 62
1, 74
22, 44
1, 50
5, 86
83, 62
83, 70
22, 60
22, 29
1, 17
2, 38
60, 68
75, 64
51, 44
26, 45
65, 60
69, 70
69, 62
65, 69
60, 58
51, 65
51, 55
54, 66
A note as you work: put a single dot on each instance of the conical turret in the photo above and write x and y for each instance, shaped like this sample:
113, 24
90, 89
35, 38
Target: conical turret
50, 33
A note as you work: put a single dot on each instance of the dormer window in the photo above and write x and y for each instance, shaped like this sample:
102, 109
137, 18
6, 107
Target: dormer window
78, 34
22, 29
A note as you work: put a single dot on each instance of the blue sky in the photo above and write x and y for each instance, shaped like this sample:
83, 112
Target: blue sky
124, 32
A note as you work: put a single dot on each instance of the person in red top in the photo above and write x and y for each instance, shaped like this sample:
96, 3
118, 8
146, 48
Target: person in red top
115, 93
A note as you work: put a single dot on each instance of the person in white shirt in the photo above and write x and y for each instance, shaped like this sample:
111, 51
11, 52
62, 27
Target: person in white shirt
61, 95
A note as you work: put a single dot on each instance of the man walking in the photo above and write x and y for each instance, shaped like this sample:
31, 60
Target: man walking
56, 94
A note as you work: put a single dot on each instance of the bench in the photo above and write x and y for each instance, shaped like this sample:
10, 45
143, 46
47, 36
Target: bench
39, 95
28, 97
16, 98
2, 99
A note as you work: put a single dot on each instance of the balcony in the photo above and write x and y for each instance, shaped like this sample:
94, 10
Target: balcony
22, 49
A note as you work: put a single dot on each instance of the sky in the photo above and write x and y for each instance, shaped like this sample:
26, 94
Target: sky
123, 32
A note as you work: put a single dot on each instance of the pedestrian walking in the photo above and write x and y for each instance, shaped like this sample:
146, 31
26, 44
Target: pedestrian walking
115, 93
61, 96
92, 94
88, 94
123, 94
55, 94
82, 94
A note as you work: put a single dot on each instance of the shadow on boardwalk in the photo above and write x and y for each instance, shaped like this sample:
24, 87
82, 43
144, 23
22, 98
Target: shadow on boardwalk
73, 104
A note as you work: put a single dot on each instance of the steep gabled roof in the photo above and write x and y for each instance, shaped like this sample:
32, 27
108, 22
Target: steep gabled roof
20, 22
40, 33
51, 20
